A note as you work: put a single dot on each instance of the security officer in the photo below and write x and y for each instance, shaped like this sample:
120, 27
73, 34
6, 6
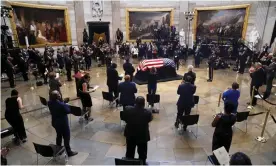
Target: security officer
68, 67
176, 58
211, 64
59, 111
22, 65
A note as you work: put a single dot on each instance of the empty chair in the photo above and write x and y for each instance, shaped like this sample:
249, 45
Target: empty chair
188, 120
50, 150
153, 98
196, 101
242, 116
77, 111
125, 161
108, 97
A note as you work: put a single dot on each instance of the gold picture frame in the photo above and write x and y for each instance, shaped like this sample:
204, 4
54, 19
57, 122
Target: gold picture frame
50, 7
245, 6
171, 10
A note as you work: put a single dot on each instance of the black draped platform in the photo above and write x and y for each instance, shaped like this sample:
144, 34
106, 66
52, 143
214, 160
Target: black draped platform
165, 73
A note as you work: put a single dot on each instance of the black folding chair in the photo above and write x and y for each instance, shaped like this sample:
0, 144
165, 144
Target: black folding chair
188, 120
44, 102
125, 161
213, 160
153, 98
6, 132
109, 97
196, 101
77, 111
122, 114
50, 150
242, 116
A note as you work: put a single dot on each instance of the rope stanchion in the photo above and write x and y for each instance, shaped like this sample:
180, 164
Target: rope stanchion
219, 100
262, 138
251, 101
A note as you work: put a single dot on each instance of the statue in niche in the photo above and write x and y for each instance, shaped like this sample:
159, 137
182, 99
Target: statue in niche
85, 36
254, 38
182, 37
119, 36
97, 8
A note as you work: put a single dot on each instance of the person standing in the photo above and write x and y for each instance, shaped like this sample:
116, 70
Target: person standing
211, 64
137, 133
232, 95
127, 90
112, 81
22, 65
191, 74
59, 111
270, 75
185, 101
84, 94
242, 60
257, 80
152, 82
54, 83
223, 123
10, 71
176, 58
129, 69
68, 67
14, 118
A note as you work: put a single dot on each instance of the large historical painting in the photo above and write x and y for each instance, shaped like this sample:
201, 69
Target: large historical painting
41, 24
221, 22
142, 22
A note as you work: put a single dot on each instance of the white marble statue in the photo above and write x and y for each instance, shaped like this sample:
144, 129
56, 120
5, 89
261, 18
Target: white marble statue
182, 37
254, 37
97, 8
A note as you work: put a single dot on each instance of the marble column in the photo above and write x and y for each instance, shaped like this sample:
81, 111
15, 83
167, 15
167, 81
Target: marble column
80, 23
116, 19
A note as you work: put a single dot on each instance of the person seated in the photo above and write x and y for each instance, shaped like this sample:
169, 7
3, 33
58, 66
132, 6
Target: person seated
232, 95
191, 74
127, 90
240, 158
223, 123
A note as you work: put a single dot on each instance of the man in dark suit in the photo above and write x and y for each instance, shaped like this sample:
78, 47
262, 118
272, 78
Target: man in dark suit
68, 67
23, 67
211, 65
112, 81
127, 90
129, 69
137, 120
59, 111
270, 75
186, 99
257, 80
191, 74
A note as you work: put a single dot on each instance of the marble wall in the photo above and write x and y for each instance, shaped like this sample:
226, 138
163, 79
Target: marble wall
270, 22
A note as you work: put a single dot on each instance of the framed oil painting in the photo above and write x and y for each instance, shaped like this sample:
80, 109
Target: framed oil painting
142, 22
222, 22
37, 25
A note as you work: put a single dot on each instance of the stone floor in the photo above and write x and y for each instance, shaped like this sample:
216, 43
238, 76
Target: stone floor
102, 140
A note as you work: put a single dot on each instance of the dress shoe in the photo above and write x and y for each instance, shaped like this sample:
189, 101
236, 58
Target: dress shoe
176, 125
209, 80
72, 153
274, 162
24, 140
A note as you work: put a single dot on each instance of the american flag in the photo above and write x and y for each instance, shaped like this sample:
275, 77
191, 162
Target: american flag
157, 63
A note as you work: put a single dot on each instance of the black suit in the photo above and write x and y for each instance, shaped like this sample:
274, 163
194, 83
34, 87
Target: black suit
192, 75
258, 79
112, 81
186, 99
137, 131
129, 69
271, 73
68, 67
127, 90
23, 68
